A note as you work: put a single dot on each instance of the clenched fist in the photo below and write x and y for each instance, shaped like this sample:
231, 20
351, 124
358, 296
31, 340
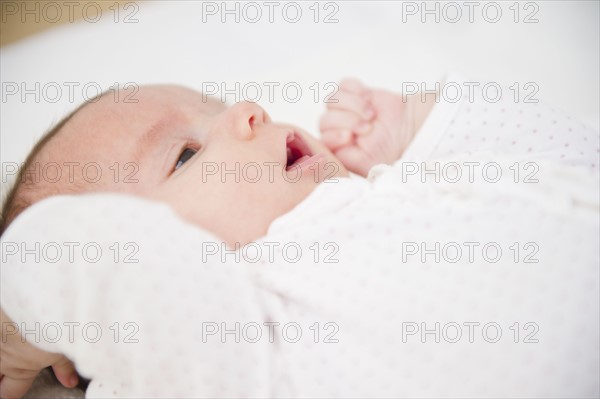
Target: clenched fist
367, 126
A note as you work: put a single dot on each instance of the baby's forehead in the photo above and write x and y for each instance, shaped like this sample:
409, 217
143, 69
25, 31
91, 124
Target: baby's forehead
179, 94
159, 96
135, 107
132, 112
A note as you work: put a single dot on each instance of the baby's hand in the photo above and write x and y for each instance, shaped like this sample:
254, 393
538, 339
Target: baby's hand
20, 363
366, 126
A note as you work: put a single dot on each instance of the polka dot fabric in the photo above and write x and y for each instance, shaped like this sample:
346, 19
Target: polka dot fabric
138, 304
510, 121
358, 313
528, 289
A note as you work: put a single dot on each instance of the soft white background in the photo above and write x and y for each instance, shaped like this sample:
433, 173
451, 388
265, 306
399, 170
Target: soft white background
171, 43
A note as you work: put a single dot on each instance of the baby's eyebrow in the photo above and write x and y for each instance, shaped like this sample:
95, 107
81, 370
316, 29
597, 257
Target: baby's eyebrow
159, 130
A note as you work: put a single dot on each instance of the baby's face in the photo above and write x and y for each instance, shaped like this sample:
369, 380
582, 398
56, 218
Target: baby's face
225, 169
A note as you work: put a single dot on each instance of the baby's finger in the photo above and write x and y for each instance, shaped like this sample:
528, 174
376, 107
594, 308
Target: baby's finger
339, 119
336, 138
353, 86
363, 128
352, 102
344, 120
65, 372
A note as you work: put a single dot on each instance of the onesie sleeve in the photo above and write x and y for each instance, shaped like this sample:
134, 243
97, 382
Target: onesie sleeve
434, 129
126, 289
509, 121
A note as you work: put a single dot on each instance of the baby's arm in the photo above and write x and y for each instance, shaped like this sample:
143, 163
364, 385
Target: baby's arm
20, 362
370, 126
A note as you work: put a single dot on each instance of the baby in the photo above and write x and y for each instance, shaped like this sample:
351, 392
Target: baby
176, 146
242, 177
187, 150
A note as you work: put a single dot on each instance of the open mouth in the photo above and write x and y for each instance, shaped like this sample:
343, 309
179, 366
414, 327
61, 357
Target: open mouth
297, 150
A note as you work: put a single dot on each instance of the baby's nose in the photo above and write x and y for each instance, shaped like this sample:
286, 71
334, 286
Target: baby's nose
243, 117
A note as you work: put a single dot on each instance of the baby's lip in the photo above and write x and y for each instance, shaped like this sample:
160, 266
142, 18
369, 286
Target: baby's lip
297, 150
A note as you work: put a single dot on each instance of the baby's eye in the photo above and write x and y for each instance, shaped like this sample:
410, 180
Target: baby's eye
184, 157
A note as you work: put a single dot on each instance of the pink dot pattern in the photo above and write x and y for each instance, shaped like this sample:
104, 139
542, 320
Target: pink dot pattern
529, 131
